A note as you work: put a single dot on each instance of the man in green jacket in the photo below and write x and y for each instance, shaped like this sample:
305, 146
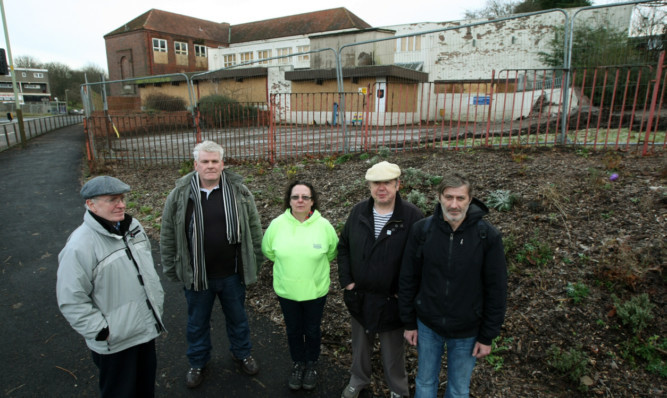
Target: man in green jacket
210, 241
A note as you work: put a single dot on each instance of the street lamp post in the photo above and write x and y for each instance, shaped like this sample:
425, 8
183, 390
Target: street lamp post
66, 102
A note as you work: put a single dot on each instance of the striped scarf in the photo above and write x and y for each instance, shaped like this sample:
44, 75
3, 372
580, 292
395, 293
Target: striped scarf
197, 238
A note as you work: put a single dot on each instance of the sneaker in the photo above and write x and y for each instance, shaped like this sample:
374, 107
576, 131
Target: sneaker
296, 378
310, 377
350, 392
194, 377
394, 395
248, 364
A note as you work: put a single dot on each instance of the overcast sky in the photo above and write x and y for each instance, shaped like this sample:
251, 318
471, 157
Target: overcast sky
72, 31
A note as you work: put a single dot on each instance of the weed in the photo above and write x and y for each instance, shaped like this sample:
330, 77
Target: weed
577, 291
186, 166
501, 200
493, 358
146, 209
518, 157
131, 205
384, 152
583, 152
534, 252
636, 312
291, 172
612, 161
573, 363
364, 156
650, 351
343, 158
607, 216
412, 178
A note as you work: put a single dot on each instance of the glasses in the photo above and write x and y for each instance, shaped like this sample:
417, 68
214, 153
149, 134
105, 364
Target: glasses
114, 201
303, 197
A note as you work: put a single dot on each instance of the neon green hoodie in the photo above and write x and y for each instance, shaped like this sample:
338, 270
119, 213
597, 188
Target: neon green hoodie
301, 253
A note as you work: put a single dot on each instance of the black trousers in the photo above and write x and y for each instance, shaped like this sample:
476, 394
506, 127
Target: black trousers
129, 373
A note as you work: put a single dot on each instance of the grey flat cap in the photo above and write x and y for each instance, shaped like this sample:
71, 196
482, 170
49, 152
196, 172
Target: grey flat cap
103, 185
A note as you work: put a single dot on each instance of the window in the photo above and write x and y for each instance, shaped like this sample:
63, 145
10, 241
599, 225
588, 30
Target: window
303, 49
230, 60
246, 57
160, 45
412, 43
282, 52
6, 85
200, 51
263, 55
23, 74
33, 86
38, 75
181, 48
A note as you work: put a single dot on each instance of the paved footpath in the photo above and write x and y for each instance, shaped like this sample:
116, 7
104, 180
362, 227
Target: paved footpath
41, 355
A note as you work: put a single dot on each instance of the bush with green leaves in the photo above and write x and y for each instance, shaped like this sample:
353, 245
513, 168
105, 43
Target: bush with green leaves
577, 291
501, 200
573, 363
636, 312
164, 102
420, 200
412, 178
221, 111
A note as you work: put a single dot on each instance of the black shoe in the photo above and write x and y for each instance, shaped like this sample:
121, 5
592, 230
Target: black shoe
310, 376
194, 377
248, 364
296, 378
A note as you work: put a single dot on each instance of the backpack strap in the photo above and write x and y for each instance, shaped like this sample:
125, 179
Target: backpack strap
483, 229
426, 226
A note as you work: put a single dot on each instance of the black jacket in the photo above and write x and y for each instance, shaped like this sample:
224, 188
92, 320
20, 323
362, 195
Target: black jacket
454, 287
374, 264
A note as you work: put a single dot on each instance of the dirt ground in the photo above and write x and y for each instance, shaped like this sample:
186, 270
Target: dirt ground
576, 240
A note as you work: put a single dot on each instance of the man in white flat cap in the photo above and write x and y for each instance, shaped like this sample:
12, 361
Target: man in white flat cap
109, 291
369, 260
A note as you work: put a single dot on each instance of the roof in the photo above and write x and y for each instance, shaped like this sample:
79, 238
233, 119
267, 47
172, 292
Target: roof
358, 71
294, 25
176, 24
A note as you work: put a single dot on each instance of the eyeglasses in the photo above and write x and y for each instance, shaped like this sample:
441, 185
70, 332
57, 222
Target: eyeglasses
114, 201
303, 197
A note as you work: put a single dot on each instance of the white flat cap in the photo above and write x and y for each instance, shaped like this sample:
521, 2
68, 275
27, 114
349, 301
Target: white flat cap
383, 171
103, 185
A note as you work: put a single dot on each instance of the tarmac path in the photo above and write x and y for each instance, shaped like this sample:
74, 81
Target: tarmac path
42, 356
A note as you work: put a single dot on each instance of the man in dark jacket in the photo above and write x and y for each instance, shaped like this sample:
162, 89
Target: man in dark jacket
453, 288
369, 259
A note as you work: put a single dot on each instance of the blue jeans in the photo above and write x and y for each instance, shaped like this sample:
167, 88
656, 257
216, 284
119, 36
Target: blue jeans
302, 324
231, 293
460, 363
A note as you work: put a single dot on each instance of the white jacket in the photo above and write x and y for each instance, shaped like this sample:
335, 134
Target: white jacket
109, 281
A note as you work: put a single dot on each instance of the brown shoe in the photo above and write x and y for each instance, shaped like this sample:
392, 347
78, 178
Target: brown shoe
194, 377
248, 364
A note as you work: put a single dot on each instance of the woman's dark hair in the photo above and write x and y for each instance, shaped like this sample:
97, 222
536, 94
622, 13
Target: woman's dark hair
288, 193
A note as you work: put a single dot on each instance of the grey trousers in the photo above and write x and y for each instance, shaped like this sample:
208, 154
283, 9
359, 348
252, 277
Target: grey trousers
392, 352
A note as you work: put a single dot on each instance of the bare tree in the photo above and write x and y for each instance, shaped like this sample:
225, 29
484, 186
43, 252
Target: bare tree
27, 61
493, 9
649, 22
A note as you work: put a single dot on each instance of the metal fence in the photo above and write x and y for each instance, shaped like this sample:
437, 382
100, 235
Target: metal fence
446, 85
34, 127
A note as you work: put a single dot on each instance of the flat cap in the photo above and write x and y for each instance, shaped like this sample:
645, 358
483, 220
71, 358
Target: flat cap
383, 171
103, 185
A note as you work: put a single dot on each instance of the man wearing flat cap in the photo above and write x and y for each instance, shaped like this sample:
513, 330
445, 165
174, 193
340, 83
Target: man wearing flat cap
109, 291
369, 259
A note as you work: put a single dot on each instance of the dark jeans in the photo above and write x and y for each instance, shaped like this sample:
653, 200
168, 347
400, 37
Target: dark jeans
302, 324
231, 293
129, 373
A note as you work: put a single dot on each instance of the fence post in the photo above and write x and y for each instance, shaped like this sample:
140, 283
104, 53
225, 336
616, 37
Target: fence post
654, 100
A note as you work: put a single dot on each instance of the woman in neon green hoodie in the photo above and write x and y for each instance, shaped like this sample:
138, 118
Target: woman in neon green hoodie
301, 243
